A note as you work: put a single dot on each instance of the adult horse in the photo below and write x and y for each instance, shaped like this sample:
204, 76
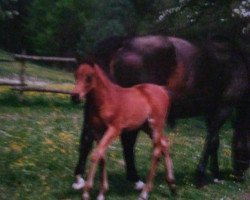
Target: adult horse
208, 80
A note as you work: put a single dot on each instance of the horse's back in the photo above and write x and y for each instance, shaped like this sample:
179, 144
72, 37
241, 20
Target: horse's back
195, 74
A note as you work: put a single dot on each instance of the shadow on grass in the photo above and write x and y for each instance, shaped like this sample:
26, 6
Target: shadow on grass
10, 99
119, 187
189, 178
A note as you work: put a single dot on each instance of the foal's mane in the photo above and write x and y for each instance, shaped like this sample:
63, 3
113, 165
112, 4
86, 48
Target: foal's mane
89, 60
92, 62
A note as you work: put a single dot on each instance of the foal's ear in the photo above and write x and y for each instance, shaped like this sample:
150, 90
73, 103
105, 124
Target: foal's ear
96, 65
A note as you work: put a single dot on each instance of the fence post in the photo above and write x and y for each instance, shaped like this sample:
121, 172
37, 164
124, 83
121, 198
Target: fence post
22, 72
22, 76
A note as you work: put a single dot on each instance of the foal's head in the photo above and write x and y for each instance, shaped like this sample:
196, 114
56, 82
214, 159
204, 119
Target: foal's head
84, 81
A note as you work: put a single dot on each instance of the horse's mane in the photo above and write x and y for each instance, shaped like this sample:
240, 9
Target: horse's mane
86, 60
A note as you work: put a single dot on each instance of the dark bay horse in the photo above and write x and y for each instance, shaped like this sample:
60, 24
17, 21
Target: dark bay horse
115, 109
210, 79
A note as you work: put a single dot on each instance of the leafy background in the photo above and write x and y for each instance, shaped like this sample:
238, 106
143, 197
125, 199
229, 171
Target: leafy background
69, 27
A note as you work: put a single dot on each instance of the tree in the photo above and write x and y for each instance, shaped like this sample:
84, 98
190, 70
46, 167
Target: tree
12, 14
7, 11
64, 27
202, 18
54, 27
111, 17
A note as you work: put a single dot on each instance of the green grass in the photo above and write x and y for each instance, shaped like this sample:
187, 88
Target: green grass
39, 140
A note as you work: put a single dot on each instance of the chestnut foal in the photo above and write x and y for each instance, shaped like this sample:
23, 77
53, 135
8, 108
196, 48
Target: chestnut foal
116, 109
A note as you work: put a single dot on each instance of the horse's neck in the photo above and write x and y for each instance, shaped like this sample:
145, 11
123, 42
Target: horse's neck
104, 89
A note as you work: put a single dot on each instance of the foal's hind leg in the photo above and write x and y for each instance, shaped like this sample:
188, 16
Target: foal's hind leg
165, 145
103, 179
154, 163
157, 127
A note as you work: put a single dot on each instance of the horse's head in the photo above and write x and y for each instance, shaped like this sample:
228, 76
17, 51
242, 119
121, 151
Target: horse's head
84, 82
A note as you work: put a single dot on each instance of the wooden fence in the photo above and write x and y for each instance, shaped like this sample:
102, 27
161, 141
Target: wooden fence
22, 86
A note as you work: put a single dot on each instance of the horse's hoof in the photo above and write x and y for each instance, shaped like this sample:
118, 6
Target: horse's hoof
79, 183
218, 181
239, 177
173, 190
143, 196
139, 185
201, 183
100, 197
85, 196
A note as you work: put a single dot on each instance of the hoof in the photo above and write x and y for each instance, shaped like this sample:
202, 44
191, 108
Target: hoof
143, 196
218, 181
100, 197
139, 185
79, 183
201, 183
239, 177
85, 196
173, 190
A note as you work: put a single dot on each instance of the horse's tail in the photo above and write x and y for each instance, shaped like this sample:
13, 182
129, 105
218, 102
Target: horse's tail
229, 53
226, 48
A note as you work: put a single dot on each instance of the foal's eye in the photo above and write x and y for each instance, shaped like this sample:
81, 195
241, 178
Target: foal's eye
88, 79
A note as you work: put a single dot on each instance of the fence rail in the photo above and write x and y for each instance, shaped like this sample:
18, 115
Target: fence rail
6, 83
6, 60
22, 86
43, 58
40, 89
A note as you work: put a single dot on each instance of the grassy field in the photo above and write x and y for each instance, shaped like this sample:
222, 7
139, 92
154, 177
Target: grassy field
39, 139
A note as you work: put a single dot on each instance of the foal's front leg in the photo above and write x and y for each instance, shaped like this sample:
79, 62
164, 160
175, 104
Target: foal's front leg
99, 153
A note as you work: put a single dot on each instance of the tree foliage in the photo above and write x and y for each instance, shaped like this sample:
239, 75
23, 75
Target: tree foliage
7, 10
12, 13
66, 27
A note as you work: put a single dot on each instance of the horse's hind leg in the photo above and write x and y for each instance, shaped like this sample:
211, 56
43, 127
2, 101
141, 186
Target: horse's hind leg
165, 145
128, 140
214, 122
241, 138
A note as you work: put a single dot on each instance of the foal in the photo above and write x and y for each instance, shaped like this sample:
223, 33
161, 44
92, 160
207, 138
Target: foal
115, 109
